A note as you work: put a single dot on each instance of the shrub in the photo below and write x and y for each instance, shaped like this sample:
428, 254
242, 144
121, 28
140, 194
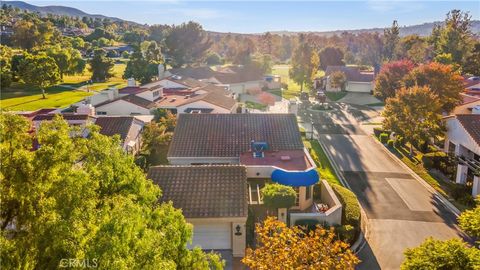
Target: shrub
378, 131
346, 233
307, 224
458, 191
351, 208
399, 142
278, 196
437, 160
390, 143
383, 137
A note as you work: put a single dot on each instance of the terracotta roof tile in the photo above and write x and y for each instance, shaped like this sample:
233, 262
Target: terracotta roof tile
204, 191
471, 123
229, 135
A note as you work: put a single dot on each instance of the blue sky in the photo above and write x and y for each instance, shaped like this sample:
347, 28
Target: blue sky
260, 16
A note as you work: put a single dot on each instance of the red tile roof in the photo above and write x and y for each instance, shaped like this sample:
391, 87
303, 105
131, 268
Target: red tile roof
47, 117
471, 123
229, 135
352, 73
121, 125
212, 191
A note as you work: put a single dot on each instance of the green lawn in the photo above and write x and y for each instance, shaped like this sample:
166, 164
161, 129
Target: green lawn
293, 88
254, 105
19, 97
324, 167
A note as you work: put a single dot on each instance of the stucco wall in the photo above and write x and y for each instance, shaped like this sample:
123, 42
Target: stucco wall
334, 214
241, 88
121, 107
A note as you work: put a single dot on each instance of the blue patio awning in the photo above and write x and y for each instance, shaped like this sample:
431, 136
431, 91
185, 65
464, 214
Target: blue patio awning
295, 178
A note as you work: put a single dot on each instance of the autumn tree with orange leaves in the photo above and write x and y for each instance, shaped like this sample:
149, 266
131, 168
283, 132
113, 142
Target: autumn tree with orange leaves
283, 247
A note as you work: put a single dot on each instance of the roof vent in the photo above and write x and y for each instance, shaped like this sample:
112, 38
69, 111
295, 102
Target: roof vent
258, 148
284, 158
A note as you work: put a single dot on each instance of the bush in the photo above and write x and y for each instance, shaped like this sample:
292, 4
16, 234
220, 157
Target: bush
437, 160
399, 142
278, 196
390, 143
346, 233
350, 209
378, 131
383, 138
307, 224
459, 191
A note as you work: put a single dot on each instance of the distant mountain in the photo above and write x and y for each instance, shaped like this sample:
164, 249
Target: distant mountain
419, 29
57, 10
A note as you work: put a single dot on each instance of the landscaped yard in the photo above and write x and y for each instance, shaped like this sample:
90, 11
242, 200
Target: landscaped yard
255, 105
293, 88
19, 97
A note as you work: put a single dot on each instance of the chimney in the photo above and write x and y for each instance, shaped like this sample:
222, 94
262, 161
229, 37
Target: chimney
86, 109
161, 71
131, 82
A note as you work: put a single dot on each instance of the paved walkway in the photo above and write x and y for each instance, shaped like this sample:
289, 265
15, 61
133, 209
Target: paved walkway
401, 211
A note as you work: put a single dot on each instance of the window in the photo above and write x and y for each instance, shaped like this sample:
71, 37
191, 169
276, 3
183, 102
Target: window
156, 93
308, 193
101, 113
255, 195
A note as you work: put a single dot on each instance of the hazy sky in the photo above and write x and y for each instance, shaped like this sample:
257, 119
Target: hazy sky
261, 16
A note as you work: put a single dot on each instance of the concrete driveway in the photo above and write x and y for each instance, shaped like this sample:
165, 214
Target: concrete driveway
401, 211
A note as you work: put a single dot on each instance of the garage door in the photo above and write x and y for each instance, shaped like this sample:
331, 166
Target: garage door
212, 236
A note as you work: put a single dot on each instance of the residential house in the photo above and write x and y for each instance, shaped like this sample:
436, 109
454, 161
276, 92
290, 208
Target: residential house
357, 81
237, 79
250, 149
463, 140
468, 104
213, 198
175, 93
128, 128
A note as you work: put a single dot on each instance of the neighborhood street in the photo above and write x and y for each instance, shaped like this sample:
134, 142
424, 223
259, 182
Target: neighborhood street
401, 211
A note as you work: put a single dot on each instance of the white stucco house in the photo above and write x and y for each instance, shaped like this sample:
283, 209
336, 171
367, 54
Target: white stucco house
463, 140
237, 79
175, 93
230, 158
357, 81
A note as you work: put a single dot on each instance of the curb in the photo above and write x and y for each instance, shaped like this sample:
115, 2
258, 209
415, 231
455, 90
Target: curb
437, 194
361, 240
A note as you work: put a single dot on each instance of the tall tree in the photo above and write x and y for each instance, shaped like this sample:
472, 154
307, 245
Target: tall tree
446, 83
6, 55
28, 34
338, 79
68, 59
101, 66
331, 56
472, 65
391, 39
187, 44
140, 68
39, 70
414, 114
390, 78
437, 254
283, 247
304, 64
84, 199
455, 37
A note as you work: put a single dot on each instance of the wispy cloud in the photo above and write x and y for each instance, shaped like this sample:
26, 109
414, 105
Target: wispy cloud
189, 13
397, 6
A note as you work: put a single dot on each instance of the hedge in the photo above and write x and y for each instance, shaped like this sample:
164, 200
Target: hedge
351, 207
377, 131
384, 137
390, 143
